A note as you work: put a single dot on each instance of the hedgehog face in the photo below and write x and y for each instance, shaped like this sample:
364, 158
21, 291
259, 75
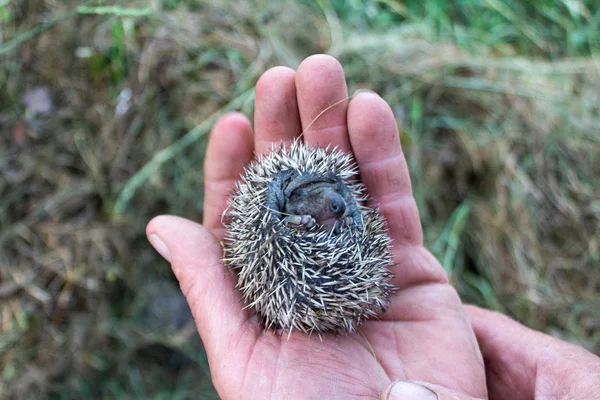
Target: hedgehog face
321, 200
306, 199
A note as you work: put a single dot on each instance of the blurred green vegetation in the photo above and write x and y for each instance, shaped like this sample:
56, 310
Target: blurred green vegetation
105, 109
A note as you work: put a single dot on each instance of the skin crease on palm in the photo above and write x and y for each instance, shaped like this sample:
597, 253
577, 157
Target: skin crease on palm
425, 335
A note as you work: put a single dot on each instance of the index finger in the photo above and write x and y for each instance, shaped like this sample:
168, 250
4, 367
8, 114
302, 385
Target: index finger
229, 150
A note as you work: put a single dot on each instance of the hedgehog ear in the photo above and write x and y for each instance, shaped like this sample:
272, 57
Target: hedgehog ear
303, 180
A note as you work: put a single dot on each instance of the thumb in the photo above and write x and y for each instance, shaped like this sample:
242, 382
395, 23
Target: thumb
417, 390
522, 363
209, 288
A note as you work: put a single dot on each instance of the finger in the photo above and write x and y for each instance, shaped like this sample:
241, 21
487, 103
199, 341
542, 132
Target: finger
498, 352
407, 390
276, 117
209, 288
320, 83
229, 150
518, 357
383, 169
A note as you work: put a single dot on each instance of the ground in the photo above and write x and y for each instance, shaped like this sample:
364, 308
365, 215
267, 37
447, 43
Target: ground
105, 109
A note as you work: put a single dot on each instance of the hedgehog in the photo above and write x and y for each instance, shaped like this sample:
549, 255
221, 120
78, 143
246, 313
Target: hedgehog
308, 252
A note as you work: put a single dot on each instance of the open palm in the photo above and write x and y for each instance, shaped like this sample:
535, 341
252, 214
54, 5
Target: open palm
424, 335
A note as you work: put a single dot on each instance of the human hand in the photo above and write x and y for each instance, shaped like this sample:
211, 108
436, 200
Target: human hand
524, 364
423, 336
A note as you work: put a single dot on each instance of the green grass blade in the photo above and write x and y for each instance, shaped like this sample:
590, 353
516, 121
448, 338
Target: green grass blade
171, 151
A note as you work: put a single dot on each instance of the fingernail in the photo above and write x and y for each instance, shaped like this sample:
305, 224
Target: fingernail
159, 246
410, 391
359, 91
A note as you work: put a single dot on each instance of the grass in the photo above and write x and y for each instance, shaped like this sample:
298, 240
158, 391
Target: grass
498, 106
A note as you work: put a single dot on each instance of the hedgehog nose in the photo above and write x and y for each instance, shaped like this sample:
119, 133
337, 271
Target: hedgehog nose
337, 206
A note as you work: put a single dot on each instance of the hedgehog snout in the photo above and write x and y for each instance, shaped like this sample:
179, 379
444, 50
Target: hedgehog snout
337, 206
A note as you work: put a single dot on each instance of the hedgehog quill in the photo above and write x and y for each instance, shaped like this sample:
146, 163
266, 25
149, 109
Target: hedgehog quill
309, 254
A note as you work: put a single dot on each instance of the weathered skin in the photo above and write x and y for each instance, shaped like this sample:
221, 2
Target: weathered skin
309, 199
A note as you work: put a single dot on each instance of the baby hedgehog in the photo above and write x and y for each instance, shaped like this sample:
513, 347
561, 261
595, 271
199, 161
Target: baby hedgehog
309, 254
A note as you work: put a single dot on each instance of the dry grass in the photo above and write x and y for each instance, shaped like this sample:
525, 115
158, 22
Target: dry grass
500, 127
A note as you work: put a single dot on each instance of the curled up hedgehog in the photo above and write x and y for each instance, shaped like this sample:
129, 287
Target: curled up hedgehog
308, 252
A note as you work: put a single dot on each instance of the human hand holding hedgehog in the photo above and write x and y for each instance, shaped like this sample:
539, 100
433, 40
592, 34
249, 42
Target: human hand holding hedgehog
423, 345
